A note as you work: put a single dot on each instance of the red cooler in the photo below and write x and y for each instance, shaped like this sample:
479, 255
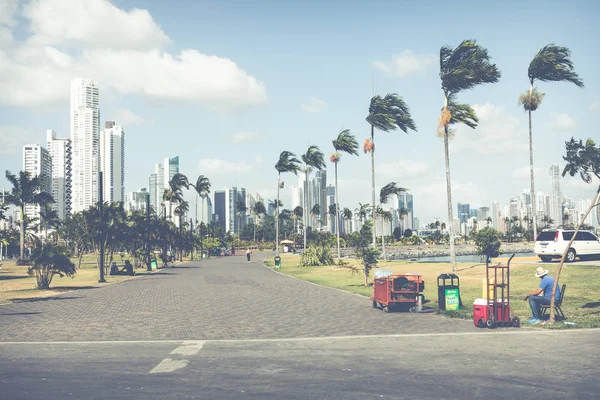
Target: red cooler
480, 312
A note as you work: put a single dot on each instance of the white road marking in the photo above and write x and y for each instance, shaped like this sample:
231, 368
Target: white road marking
188, 349
168, 365
498, 332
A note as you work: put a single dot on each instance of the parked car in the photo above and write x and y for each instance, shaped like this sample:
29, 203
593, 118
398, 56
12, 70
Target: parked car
552, 243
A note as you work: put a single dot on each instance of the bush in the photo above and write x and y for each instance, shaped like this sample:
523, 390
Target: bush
50, 261
23, 261
487, 241
316, 256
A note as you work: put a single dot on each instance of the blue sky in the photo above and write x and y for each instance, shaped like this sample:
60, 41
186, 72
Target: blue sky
228, 85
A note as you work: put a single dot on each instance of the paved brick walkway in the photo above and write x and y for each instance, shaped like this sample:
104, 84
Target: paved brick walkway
222, 298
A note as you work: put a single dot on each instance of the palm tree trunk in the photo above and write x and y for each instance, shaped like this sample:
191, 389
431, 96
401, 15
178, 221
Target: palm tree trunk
449, 195
304, 213
337, 221
373, 183
196, 216
383, 241
562, 260
533, 202
22, 238
277, 218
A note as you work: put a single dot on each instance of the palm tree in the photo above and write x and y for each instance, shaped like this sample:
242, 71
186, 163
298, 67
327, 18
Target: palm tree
363, 211
346, 143
313, 159
347, 215
384, 195
386, 114
298, 214
488, 220
258, 209
287, 163
48, 219
202, 188
315, 211
465, 67
551, 64
402, 212
333, 211
26, 191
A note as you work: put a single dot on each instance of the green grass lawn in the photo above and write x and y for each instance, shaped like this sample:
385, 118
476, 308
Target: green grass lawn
16, 284
581, 303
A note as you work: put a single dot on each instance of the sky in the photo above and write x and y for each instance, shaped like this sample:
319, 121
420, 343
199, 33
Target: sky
227, 86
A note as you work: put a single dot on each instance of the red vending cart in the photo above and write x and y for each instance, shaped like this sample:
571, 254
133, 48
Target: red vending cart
398, 291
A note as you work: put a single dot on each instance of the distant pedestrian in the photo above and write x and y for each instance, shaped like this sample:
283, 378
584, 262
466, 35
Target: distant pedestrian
248, 254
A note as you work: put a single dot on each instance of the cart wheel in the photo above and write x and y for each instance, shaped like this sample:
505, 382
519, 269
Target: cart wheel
375, 305
386, 309
516, 322
481, 323
490, 323
412, 309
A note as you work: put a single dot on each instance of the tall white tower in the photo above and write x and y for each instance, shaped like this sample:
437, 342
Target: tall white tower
555, 195
85, 142
37, 161
112, 162
60, 151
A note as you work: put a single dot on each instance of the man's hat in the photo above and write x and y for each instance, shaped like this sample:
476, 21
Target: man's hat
540, 271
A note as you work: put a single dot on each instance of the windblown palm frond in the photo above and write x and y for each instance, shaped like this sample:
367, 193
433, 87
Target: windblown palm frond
202, 185
582, 159
388, 190
287, 163
347, 214
552, 64
332, 209
314, 158
465, 67
346, 142
315, 210
461, 113
259, 208
389, 113
298, 211
178, 182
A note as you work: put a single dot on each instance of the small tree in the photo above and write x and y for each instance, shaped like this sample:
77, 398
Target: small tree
487, 241
49, 261
367, 256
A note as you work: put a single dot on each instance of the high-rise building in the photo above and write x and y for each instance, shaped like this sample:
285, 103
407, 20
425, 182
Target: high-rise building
405, 202
85, 143
37, 161
112, 162
320, 193
235, 217
60, 152
159, 181
483, 213
205, 208
464, 212
220, 208
496, 215
555, 195
136, 201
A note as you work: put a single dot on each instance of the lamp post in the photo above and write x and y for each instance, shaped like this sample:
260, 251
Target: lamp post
102, 230
148, 260
191, 239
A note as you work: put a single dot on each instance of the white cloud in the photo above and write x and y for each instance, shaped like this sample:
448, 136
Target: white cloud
128, 60
315, 105
498, 133
405, 63
127, 118
524, 172
563, 122
95, 23
214, 166
7, 11
595, 106
243, 137
402, 169
13, 138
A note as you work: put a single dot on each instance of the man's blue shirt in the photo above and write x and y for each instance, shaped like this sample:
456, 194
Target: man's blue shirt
546, 285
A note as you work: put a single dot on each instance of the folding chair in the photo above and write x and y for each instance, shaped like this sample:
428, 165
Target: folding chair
557, 304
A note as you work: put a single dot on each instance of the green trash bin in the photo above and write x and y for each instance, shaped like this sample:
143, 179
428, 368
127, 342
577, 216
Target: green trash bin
277, 262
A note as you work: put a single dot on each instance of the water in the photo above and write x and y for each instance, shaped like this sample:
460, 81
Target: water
470, 258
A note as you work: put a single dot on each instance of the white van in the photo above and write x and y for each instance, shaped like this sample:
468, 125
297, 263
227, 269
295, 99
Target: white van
552, 243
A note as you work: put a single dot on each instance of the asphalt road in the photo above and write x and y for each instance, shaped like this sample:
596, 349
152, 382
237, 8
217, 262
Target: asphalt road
225, 329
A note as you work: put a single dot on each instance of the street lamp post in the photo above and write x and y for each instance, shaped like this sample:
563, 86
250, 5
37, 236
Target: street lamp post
148, 260
102, 230
191, 239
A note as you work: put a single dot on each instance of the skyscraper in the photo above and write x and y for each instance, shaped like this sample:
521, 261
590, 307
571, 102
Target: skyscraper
235, 216
330, 201
112, 162
60, 152
405, 202
136, 201
555, 195
85, 142
220, 208
37, 161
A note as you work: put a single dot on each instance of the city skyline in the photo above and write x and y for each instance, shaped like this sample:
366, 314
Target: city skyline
228, 116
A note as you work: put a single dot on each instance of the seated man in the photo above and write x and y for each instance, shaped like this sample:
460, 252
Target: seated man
114, 270
541, 295
128, 268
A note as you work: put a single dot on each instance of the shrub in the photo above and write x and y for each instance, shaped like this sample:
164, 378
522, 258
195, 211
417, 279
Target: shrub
49, 261
315, 256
